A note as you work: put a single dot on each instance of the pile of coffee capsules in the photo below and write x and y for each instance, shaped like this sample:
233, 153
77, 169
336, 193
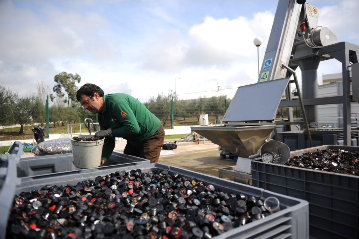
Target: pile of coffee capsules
56, 146
331, 160
85, 138
133, 204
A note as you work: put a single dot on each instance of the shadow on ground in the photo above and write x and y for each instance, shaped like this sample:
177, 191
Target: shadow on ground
202, 162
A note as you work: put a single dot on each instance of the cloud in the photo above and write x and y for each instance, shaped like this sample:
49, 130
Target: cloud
220, 41
216, 52
22, 78
165, 54
238, 79
214, 42
55, 33
121, 87
32, 42
140, 48
346, 17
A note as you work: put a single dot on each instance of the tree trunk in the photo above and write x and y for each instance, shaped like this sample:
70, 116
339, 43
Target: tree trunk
21, 129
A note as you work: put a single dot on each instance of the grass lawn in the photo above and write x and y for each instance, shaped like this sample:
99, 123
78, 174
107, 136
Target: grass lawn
4, 149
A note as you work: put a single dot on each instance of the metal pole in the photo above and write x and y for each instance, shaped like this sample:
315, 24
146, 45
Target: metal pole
172, 126
97, 125
258, 58
301, 103
47, 118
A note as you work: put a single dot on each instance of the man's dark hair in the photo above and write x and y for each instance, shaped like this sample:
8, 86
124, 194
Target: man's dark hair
89, 89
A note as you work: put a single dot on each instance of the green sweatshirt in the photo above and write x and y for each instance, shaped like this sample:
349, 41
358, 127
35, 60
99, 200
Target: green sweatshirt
128, 118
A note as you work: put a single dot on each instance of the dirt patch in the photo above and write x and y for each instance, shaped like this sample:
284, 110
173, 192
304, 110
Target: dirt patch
16, 135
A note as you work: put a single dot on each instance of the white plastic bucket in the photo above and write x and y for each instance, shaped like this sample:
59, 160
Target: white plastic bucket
87, 154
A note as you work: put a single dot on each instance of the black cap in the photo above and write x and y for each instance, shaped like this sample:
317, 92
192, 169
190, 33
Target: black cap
197, 232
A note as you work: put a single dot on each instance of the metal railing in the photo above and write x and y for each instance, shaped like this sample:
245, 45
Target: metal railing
69, 128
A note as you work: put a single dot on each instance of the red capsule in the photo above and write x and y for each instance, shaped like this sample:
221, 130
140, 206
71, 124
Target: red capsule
33, 226
129, 226
111, 205
72, 235
130, 191
33, 212
19, 201
177, 233
83, 199
210, 217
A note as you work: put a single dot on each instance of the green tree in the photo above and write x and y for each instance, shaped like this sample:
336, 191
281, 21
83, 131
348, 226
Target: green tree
195, 108
180, 108
22, 112
161, 107
38, 113
68, 83
55, 114
7, 102
215, 106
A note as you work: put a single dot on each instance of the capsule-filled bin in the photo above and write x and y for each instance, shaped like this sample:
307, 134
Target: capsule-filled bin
325, 176
154, 200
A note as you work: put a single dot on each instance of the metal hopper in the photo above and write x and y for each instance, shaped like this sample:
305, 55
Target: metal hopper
242, 141
251, 103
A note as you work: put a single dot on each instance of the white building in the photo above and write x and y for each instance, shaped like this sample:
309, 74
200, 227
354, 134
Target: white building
331, 116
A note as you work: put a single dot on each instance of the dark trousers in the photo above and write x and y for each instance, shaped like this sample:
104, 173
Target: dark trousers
150, 149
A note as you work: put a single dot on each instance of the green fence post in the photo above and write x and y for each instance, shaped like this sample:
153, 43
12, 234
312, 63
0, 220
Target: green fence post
47, 118
172, 126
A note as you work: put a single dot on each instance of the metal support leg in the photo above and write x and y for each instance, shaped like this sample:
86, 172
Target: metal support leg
301, 104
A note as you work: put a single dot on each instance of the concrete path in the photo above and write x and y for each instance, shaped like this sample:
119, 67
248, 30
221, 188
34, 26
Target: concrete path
174, 131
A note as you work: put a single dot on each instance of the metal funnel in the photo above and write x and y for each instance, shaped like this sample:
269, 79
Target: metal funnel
242, 141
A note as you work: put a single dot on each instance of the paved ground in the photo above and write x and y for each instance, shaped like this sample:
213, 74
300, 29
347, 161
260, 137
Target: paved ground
202, 157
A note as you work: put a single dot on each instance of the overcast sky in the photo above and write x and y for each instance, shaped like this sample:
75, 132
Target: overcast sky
145, 48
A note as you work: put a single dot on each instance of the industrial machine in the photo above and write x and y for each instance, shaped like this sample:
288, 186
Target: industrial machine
295, 40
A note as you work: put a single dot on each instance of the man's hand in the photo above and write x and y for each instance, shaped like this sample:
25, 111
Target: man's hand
103, 133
